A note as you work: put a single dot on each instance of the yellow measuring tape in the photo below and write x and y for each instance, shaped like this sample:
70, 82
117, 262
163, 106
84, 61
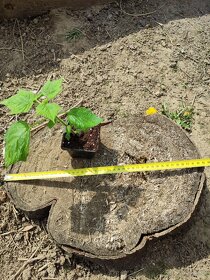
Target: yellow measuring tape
151, 166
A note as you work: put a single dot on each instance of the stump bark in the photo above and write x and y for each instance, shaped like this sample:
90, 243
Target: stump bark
27, 8
111, 216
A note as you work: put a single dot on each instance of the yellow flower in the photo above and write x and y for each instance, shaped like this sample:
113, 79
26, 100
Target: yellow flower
151, 111
187, 113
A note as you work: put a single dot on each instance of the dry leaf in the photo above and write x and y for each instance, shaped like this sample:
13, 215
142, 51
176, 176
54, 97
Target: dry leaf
27, 228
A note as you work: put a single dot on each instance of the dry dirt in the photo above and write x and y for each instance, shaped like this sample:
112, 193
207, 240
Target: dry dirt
122, 63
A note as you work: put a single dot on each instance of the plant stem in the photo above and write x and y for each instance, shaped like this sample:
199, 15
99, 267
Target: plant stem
44, 123
61, 121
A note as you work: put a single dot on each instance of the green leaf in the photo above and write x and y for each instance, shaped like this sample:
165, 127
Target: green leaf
17, 139
68, 132
82, 119
48, 110
51, 89
20, 102
51, 124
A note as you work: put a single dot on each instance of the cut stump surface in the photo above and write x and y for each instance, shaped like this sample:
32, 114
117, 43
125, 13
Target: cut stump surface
111, 216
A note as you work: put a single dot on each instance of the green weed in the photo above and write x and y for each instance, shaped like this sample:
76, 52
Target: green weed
183, 116
74, 34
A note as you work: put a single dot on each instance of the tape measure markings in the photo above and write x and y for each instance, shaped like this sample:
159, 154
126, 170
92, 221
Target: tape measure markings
102, 170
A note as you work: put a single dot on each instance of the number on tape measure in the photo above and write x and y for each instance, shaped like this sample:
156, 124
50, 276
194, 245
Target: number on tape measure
151, 166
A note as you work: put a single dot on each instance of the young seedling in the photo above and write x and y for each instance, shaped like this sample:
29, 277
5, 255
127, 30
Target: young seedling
17, 137
183, 116
74, 34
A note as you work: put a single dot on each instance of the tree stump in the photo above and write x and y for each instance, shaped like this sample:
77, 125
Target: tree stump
27, 8
111, 216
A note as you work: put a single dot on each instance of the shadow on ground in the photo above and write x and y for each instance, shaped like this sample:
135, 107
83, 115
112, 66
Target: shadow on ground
36, 46
181, 248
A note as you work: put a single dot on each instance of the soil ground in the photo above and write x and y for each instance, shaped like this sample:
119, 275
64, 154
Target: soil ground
119, 63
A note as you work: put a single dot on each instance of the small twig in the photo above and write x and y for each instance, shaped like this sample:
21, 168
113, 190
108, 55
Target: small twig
148, 89
108, 33
8, 233
185, 73
31, 259
21, 40
10, 49
105, 123
135, 272
14, 212
138, 15
193, 101
37, 128
12, 118
43, 267
13, 32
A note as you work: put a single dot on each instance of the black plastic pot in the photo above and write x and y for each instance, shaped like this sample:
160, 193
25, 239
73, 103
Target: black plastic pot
82, 146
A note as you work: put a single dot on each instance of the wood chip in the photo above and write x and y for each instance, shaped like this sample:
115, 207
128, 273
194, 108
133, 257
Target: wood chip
27, 228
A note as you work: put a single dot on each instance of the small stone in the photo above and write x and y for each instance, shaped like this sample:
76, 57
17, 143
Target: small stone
206, 79
206, 61
99, 78
142, 22
158, 94
36, 20
173, 64
103, 48
132, 47
62, 260
124, 275
89, 15
89, 83
110, 16
105, 77
163, 87
163, 43
18, 237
